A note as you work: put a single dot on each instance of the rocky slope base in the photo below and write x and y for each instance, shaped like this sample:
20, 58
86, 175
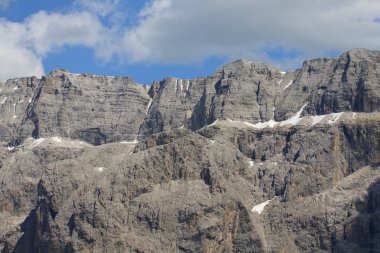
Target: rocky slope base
250, 159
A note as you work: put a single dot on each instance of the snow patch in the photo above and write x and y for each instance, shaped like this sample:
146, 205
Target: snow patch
354, 115
99, 169
15, 88
135, 141
290, 83
260, 207
149, 104
283, 72
271, 123
56, 139
335, 117
214, 123
279, 82
36, 142
14, 111
317, 119
3, 101
251, 163
295, 119
232, 121
11, 148
181, 86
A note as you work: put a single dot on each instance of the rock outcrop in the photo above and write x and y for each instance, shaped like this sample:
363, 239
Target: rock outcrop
250, 159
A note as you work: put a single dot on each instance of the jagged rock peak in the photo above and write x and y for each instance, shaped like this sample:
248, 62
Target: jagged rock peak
243, 67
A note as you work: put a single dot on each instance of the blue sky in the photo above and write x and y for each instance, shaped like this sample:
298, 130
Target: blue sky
149, 40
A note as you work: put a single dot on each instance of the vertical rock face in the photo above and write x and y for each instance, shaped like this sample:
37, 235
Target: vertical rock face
15, 96
250, 159
96, 109
349, 83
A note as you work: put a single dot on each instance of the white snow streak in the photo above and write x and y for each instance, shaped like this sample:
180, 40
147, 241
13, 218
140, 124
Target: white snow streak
36, 142
271, 123
135, 141
14, 111
214, 123
260, 207
290, 83
335, 117
279, 82
317, 119
295, 119
56, 139
149, 104
5, 99
11, 148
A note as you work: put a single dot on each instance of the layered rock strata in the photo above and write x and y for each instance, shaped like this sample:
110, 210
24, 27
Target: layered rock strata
250, 159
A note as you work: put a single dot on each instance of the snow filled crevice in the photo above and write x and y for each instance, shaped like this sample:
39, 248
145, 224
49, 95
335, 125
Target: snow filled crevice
14, 110
149, 104
260, 207
295, 119
290, 83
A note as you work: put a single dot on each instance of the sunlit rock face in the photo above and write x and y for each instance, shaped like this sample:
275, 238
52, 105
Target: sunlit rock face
250, 159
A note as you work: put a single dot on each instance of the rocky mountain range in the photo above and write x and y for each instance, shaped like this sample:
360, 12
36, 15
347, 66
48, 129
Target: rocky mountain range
250, 159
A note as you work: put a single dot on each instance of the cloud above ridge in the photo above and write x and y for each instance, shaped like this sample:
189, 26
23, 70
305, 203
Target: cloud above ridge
280, 32
184, 31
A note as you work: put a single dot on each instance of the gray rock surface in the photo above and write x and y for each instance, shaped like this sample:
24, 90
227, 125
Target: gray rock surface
247, 160
96, 109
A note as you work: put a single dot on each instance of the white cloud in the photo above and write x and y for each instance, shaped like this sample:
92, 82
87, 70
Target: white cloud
189, 31
17, 60
185, 31
23, 45
46, 32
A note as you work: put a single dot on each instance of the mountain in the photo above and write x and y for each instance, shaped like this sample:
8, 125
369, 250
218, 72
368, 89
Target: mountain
250, 159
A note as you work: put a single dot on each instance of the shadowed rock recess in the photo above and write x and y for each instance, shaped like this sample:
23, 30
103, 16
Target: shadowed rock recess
250, 159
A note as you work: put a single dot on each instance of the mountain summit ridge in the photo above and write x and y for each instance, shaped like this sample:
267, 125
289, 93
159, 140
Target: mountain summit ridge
249, 159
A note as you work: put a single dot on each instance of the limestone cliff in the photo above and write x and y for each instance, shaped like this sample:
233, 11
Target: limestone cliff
250, 159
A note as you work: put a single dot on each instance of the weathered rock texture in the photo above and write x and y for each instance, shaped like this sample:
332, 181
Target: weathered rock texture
250, 159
